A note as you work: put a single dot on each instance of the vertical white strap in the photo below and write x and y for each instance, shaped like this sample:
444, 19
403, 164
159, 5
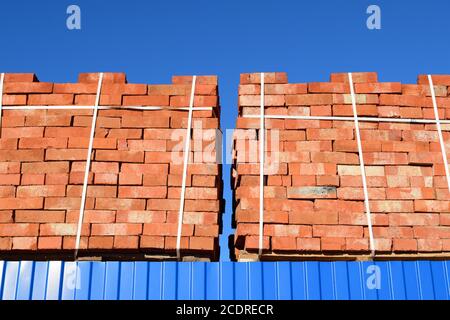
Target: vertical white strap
187, 144
2, 79
439, 130
361, 165
88, 165
261, 168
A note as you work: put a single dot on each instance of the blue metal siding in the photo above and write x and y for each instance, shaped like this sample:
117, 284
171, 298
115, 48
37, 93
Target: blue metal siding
226, 280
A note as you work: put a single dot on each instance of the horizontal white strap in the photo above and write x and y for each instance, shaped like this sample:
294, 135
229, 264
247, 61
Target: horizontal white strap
367, 119
145, 108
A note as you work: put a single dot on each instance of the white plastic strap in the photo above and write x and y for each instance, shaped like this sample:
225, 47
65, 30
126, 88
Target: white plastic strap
439, 130
88, 165
334, 118
144, 108
261, 169
187, 144
361, 164
2, 79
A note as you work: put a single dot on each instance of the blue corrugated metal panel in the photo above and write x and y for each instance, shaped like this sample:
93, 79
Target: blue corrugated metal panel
226, 280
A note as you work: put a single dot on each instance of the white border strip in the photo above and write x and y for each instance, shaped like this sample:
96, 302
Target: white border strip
144, 108
364, 119
261, 168
187, 144
2, 79
439, 130
88, 165
361, 165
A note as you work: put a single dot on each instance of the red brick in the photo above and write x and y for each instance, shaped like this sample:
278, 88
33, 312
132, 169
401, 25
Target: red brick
151, 242
199, 101
167, 229
101, 242
357, 77
108, 77
105, 178
152, 100
27, 87
15, 203
122, 156
201, 243
9, 179
384, 87
438, 79
20, 77
429, 245
308, 244
284, 243
206, 230
352, 244
5, 243
14, 99
62, 229
309, 99
404, 245
332, 244
431, 206
98, 143
42, 143
35, 216
6, 216
269, 77
66, 154
23, 132
142, 192
24, 243
126, 242
252, 243
50, 243
40, 191
204, 79
92, 216
19, 229
119, 204
50, 99
337, 231
328, 87
121, 229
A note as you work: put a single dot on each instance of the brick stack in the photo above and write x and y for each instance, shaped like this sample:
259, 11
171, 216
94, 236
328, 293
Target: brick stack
313, 193
136, 173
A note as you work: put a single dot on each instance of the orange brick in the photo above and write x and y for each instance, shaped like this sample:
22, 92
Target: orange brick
24, 243
50, 243
284, 243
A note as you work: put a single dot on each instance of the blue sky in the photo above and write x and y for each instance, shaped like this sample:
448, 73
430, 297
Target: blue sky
153, 40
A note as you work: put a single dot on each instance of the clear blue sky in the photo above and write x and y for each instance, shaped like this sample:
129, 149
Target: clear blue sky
153, 40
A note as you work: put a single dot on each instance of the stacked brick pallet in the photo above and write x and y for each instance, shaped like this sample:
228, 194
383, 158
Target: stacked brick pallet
313, 195
134, 186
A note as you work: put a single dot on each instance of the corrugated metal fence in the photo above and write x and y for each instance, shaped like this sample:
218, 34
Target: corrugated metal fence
226, 280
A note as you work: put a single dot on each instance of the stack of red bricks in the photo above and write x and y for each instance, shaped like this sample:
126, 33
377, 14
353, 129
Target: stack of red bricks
313, 195
134, 187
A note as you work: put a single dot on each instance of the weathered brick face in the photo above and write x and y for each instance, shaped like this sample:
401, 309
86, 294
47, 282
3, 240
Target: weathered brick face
134, 187
313, 194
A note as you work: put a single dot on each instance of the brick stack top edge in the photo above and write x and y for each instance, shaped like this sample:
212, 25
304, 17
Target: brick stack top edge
134, 184
313, 197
